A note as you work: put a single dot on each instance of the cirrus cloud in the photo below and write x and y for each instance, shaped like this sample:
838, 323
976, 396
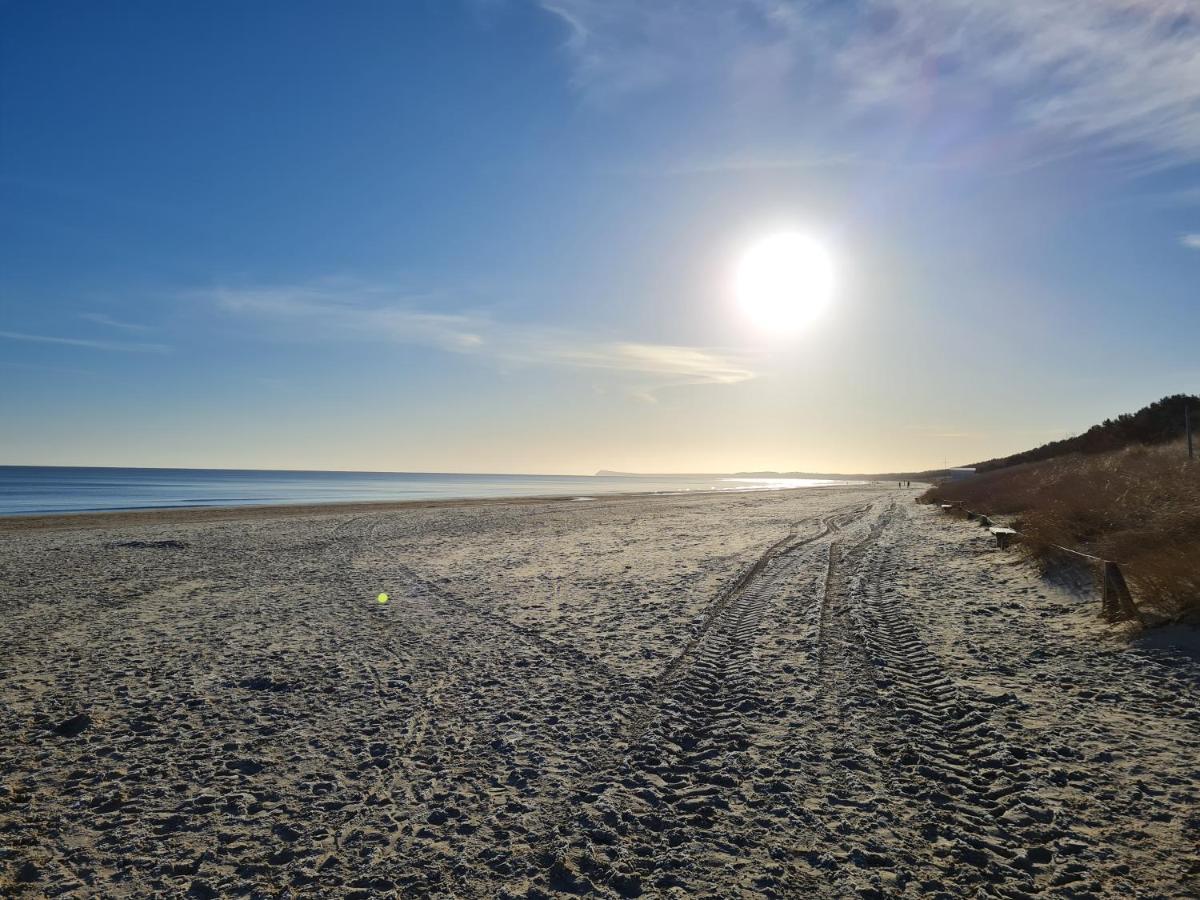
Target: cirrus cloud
85, 343
1114, 76
355, 312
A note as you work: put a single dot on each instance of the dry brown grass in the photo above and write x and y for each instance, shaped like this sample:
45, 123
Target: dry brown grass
1139, 506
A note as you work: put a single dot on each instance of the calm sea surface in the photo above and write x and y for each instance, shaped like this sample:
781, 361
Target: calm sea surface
53, 489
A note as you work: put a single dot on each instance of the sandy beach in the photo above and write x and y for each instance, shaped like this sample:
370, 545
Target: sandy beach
827, 692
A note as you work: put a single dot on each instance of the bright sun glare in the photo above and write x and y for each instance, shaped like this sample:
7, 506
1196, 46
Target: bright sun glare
784, 281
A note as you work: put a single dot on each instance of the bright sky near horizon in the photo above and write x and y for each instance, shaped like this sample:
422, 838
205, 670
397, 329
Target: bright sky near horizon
504, 235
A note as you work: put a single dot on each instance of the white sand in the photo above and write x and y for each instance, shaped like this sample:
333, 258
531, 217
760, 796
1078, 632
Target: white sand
566, 698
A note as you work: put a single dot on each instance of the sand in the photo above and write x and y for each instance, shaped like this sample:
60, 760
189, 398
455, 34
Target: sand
826, 692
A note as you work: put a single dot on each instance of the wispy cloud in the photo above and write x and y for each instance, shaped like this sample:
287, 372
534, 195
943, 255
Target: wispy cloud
116, 346
109, 321
1119, 76
628, 45
362, 313
62, 370
355, 311
1190, 240
689, 365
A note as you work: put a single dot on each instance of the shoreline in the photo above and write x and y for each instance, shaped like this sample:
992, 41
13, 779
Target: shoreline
186, 515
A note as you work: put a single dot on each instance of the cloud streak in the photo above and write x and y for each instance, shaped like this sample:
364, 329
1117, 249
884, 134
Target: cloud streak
1120, 77
356, 313
1191, 241
110, 322
86, 343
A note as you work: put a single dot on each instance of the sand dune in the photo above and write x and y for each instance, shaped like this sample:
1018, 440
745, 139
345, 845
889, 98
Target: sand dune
827, 692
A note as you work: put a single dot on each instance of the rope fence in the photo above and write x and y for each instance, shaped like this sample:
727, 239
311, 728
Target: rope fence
1117, 602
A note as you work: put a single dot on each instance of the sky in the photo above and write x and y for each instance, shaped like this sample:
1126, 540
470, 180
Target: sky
502, 235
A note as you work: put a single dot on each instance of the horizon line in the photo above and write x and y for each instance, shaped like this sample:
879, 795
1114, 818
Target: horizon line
599, 473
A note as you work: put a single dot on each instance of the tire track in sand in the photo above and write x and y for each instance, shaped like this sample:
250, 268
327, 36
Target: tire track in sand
932, 796
969, 793
666, 805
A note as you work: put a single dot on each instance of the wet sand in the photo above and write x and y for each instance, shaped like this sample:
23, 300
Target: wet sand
826, 692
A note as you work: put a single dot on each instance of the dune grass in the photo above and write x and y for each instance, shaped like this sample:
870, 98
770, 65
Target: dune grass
1139, 506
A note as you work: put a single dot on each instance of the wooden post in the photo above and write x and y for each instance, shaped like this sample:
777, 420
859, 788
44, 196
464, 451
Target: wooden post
1187, 426
1118, 603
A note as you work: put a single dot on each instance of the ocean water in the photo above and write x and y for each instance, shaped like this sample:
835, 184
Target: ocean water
26, 490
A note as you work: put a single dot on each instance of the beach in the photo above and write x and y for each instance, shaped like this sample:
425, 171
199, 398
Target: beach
823, 692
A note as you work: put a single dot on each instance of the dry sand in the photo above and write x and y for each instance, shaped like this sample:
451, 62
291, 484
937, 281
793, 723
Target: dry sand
616, 697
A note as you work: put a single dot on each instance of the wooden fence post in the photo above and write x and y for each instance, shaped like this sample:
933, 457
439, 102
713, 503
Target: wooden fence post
1118, 602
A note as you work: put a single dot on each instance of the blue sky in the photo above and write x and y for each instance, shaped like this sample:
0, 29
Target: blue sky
499, 235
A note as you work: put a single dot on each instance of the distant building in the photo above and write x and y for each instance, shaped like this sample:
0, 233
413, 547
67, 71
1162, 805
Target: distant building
959, 474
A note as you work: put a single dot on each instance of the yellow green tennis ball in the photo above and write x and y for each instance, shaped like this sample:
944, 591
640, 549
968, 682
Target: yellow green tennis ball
383, 598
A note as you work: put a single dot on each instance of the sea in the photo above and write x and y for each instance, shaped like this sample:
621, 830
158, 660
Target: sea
34, 490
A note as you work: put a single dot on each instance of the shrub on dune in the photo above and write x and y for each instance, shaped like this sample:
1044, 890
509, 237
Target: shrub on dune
1139, 506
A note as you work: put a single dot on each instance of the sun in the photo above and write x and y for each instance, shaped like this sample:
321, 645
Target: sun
784, 281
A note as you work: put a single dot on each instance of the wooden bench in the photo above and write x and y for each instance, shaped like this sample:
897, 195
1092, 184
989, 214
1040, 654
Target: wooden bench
1005, 536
